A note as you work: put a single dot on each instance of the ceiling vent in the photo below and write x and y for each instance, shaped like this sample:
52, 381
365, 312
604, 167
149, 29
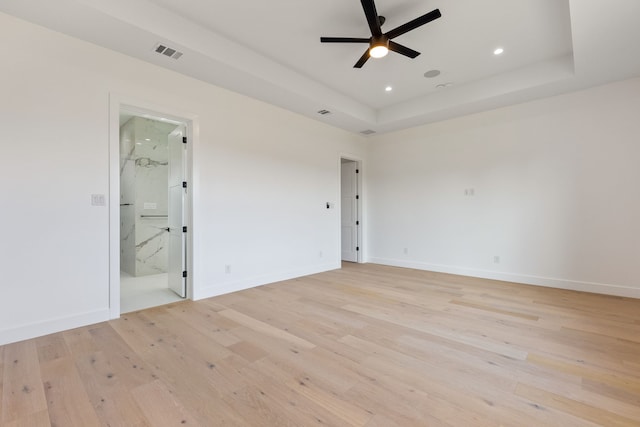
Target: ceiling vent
167, 51
368, 132
324, 112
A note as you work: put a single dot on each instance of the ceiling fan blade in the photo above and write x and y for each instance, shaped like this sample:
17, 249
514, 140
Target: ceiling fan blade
343, 40
372, 17
412, 25
402, 50
362, 59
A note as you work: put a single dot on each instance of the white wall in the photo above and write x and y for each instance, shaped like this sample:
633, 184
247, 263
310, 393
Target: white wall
262, 177
556, 193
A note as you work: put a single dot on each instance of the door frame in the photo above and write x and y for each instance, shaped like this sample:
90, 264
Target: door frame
359, 206
119, 102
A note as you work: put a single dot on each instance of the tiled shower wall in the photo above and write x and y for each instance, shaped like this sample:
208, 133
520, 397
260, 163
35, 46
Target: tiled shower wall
143, 196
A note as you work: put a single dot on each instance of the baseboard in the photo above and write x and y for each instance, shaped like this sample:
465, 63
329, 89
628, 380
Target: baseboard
252, 282
50, 326
574, 285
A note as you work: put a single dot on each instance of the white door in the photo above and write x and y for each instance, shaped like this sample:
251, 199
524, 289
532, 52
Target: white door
177, 236
349, 207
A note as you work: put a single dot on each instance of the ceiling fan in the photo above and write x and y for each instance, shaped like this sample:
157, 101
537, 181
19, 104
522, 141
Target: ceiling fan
381, 43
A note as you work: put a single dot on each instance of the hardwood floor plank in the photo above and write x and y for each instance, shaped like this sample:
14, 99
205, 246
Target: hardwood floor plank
606, 397
268, 378
575, 408
79, 341
108, 391
382, 421
441, 331
191, 381
248, 351
485, 395
265, 328
23, 394
495, 310
630, 384
365, 345
160, 407
349, 412
36, 419
257, 408
122, 363
207, 321
329, 316
609, 329
67, 399
52, 347
1, 382
409, 407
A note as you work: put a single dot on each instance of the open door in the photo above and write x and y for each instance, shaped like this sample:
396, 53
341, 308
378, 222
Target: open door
349, 208
176, 266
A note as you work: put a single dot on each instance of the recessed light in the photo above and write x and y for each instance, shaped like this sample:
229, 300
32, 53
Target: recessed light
432, 73
147, 139
388, 88
444, 85
498, 51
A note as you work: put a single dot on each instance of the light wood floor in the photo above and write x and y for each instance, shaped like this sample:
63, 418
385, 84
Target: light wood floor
363, 346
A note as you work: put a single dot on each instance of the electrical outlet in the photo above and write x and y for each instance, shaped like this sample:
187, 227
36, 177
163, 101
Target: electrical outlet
496, 259
406, 251
320, 254
227, 269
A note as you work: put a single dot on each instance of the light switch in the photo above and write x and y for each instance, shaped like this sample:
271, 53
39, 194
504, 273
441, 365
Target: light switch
98, 200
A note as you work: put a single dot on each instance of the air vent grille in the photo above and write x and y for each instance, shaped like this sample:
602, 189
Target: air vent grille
167, 51
324, 112
368, 132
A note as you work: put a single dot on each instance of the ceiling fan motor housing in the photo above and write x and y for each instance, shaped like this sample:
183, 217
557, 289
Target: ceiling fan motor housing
381, 40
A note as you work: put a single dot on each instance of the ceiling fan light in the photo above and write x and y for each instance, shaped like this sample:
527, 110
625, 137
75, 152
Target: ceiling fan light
378, 51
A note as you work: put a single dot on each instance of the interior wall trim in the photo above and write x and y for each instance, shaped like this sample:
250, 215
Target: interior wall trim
50, 326
573, 285
252, 282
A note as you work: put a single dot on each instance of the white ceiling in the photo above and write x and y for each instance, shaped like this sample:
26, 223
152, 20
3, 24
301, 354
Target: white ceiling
270, 50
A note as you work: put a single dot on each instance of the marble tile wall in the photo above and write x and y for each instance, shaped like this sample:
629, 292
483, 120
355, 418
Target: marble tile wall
127, 185
144, 176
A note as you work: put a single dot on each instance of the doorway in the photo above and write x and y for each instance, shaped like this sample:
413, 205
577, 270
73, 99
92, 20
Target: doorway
153, 170
350, 210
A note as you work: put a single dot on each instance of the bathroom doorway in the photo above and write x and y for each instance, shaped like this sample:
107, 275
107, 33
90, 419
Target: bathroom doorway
153, 227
